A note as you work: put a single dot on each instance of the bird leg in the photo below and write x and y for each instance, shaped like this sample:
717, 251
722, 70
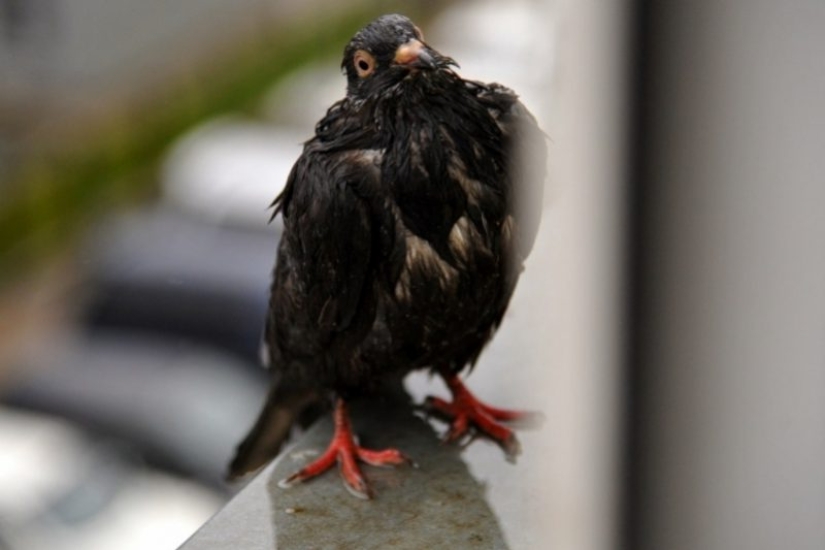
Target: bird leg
466, 410
344, 450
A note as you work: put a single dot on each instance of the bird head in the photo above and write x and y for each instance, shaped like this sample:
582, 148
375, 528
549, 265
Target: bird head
386, 51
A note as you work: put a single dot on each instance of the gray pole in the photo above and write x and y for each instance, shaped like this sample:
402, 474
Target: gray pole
728, 418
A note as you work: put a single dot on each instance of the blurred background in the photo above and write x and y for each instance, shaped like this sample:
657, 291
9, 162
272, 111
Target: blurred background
670, 322
140, 146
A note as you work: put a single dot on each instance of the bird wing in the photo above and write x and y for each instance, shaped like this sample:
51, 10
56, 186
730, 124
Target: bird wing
320, 305
327, 253
526, 146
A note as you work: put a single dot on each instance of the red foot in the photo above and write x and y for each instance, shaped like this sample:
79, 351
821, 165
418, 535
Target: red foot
466, 409
343, 450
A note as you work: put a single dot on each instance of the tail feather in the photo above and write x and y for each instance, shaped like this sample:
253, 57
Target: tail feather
264, 440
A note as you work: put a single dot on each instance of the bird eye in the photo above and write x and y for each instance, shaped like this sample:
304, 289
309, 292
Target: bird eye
364, 63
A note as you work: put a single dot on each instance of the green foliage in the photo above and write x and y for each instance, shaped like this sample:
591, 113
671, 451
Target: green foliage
52, 195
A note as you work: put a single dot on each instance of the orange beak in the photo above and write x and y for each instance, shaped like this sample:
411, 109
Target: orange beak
414, 54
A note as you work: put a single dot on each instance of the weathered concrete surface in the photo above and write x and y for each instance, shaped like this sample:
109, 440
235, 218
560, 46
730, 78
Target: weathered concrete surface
437, 504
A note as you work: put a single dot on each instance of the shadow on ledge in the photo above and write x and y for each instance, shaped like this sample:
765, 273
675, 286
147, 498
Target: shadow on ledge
436, 505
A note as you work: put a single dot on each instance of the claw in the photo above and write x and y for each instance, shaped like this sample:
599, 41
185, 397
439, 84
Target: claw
512, 448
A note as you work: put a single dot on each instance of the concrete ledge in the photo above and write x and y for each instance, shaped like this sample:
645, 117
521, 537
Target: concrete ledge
436, 505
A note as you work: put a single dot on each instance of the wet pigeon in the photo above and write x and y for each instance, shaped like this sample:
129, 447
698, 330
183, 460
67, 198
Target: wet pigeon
407, 219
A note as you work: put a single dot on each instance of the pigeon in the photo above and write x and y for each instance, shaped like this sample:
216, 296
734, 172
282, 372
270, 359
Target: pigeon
407, 219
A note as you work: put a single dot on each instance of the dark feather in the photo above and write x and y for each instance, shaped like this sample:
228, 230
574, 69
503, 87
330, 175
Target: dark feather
404, 232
